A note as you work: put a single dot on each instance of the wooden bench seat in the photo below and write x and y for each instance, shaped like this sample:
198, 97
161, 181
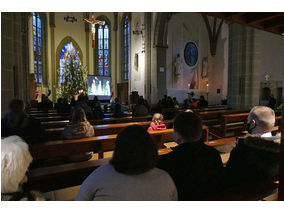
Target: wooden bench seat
237, 123
108, 129
97, 144
35, 115
62, 123
66, 175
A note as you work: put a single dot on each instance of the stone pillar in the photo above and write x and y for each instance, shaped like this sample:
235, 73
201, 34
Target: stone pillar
243, 78
53, 59
31, 44
147, 31
87, 32
14, 58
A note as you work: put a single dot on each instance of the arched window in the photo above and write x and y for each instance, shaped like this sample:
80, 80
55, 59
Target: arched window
38, 46
126, 38
67, 50
102, 49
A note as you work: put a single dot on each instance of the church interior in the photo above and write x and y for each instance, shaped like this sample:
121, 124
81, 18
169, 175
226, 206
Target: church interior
217, 65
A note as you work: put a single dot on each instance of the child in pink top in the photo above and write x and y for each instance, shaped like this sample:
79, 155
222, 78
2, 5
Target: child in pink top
157, 123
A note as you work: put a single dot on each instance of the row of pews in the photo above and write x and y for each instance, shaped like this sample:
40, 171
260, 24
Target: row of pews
71, 174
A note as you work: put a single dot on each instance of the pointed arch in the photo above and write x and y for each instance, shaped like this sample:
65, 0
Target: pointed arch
63, 42
103, 48
39, 28
125, 45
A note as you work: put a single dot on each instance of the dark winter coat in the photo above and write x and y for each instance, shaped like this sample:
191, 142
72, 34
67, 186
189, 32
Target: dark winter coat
140, 110
196, 169
253, 159
19, 123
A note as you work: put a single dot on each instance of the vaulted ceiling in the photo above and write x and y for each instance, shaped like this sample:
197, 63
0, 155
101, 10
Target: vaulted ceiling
267, 21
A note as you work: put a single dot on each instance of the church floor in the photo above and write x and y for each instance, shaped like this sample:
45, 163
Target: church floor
69, 194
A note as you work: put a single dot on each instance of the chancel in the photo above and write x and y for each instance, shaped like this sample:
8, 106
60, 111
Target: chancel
152, 106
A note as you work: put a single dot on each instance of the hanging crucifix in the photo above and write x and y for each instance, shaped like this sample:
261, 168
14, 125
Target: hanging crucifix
93, 23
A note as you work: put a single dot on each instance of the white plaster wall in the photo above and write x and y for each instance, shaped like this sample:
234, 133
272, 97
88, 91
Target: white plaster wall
184, 27
76, 30
271, 55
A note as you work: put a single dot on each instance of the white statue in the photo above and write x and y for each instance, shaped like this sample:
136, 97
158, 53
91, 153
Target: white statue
178, 72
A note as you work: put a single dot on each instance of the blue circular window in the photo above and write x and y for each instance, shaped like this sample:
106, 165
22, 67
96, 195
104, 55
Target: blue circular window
190, 54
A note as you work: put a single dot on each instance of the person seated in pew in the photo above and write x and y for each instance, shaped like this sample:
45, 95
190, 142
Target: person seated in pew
202, 102
17, 122
97, 109
79, 127
131, 174
140, 109
82, 103
62, 106
257, 155
15, 160
118, 113
196, 168
45, 103
157, 123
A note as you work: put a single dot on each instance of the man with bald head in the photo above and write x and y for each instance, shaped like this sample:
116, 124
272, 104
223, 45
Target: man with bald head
256, 156
261, 120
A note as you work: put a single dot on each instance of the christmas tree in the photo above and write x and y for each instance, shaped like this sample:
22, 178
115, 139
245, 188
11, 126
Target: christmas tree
73, 76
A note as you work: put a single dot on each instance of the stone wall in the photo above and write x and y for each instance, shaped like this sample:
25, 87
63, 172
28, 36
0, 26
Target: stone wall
14, 58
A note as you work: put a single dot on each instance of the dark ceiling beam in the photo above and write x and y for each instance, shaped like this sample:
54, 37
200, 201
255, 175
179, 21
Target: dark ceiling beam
233, 15
276, 22
255, 18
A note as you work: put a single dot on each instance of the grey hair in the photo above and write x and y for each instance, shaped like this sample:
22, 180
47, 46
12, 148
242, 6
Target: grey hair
15, 160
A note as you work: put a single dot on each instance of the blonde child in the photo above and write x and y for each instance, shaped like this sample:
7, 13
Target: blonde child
157, 122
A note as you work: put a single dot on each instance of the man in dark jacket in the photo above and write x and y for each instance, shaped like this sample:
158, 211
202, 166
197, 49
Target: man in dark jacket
255, 157
17, 122
140, 109
196, 168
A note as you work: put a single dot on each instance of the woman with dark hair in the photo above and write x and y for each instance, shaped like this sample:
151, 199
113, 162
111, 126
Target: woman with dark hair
131, 173
79, 127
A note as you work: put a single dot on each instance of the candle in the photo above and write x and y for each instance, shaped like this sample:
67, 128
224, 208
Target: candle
207, 87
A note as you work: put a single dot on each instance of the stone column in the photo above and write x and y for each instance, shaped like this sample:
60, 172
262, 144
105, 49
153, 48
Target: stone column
243, 78
53, 59
147, 31
87, 32
31, 44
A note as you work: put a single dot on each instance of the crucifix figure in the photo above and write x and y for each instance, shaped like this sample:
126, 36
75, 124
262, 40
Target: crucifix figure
93, 23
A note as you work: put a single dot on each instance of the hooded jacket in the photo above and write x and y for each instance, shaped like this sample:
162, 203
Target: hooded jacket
254, 158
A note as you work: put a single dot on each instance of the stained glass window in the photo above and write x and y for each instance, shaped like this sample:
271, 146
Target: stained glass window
126, 48
67, 48
38, 46
103, 49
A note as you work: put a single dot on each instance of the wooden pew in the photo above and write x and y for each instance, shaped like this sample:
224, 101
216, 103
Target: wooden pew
237, 123
57, 177
97, 144
170, 113
52, 118
65, 175
34, 110
35, 115
108, 129
210, 118
62, 123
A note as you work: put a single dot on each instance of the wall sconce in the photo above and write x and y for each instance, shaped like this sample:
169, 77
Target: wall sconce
70, 19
